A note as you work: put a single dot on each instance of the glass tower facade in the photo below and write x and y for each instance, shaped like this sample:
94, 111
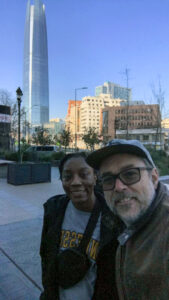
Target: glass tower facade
115, 90
35, 73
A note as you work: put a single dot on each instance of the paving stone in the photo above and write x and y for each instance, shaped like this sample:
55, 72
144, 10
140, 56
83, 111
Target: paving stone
21, 241
13, 284
21, 217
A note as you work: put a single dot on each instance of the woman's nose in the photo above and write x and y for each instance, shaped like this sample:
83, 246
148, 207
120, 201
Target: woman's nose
76, 180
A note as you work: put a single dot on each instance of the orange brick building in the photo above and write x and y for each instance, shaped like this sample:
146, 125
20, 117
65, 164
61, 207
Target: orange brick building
73, 119
128, 118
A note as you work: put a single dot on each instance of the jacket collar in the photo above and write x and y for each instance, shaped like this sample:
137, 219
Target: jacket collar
107, 232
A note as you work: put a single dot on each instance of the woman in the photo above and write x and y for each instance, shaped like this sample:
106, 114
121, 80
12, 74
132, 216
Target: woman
74, 234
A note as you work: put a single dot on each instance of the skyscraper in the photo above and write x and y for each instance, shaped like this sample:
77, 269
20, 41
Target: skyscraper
115, 90
35, 73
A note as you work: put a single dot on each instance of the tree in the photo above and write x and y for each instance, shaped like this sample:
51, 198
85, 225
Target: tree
158, 97
56, 140
14, 120
65, 138
5, 98
24, 146
126, 75
91, 138
41, 136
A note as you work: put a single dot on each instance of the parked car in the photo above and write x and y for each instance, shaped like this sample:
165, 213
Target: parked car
43, 149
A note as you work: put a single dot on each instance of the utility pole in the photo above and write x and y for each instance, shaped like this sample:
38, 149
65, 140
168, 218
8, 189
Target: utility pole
126, 73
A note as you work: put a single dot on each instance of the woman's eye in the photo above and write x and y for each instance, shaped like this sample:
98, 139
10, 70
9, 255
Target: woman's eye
84, 175
66, 177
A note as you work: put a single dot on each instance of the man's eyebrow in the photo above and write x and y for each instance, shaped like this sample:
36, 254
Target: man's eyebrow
127, 167
122, 169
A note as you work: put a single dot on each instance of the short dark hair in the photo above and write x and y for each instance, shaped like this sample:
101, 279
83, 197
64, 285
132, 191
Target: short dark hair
69, 156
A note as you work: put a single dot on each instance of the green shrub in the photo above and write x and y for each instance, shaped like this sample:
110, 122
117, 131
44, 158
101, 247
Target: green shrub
161, 160
11, 156
2, 154
28, 156
45, 157
58, 155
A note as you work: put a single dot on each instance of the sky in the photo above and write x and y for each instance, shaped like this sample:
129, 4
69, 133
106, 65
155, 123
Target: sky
90, 42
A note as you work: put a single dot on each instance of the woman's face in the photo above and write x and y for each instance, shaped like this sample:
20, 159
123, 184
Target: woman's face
78, 181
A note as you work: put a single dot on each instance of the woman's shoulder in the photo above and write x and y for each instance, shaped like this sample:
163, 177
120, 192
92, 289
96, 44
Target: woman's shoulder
55, 202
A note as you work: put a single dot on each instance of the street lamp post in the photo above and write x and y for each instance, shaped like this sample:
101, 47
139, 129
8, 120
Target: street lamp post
19, 95
82, 88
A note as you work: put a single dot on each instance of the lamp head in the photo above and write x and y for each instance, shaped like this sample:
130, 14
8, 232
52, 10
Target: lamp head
19, 92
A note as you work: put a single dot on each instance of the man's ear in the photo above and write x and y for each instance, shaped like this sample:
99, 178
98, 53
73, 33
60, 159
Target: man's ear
155, 177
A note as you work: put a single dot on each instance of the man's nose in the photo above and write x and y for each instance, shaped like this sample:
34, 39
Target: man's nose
119, 185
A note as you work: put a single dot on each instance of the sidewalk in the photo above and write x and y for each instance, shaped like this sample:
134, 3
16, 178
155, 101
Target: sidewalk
21, 213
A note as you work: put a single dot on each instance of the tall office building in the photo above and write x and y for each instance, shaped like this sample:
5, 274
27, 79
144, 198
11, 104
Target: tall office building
35, 77
115, 90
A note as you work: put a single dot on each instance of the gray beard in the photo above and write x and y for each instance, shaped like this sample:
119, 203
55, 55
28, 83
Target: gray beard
120, 196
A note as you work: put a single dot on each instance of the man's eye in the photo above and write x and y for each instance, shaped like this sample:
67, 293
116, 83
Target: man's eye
107, 179
129, 174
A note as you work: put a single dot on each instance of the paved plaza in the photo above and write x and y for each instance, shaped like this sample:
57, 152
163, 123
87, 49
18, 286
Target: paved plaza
21, 215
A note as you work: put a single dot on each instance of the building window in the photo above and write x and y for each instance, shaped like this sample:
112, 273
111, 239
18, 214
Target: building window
105, 122
145, 137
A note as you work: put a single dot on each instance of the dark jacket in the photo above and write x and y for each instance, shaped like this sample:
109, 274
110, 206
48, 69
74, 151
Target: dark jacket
141, 261
54, 210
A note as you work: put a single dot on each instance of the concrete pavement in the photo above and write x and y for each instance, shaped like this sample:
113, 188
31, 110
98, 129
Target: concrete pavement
21, 213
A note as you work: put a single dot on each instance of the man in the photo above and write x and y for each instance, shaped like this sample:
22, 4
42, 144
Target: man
140, 205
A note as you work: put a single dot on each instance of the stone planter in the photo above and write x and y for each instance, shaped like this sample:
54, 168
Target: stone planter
4, 167
28, 173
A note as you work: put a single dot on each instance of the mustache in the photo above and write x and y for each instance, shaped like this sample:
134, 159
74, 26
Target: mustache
122, 195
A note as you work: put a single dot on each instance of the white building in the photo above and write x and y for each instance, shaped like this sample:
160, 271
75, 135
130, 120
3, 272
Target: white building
147, 136
90, 110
